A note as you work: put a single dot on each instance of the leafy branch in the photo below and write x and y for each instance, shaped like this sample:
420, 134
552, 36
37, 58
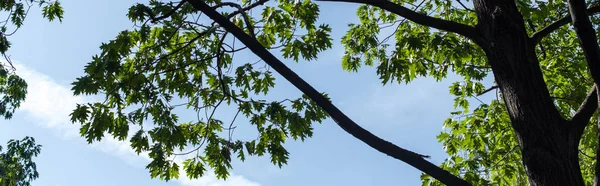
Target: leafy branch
450, 26
539, 35
414, 159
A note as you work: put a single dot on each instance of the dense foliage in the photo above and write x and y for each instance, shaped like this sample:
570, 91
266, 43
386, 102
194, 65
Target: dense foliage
148, 72
17, 167
173, 56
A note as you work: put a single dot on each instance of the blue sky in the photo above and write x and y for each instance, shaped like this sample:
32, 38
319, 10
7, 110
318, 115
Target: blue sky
51, 55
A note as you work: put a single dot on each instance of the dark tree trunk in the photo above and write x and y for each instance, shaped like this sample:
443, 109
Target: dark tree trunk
548, 144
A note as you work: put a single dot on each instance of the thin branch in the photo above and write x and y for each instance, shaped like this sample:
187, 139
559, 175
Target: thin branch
398, 27
562, 98
208, 122
244, 15
186, 65
465, 7
504, 156
168, 14
201, 34
583, 153
478, 99
539, 35
232, 49
487, 90
414, 159
231, 128
448, 64
219, 69
251, 6
219, 53
450, 26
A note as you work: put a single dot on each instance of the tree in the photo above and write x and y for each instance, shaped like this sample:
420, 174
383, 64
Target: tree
546, 97
17, 167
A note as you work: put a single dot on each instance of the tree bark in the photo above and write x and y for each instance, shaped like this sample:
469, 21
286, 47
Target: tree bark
548, 144
589, 43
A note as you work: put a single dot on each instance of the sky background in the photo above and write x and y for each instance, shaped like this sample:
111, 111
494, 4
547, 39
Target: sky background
51, 55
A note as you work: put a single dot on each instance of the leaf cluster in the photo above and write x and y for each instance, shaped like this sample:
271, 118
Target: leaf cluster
174, 61
17, 167
12, 88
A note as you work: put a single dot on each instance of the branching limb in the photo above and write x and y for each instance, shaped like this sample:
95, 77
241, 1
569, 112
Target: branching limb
586, 110
187, 44
251, 6
588, 41
450, 26
587, 37
533, 27
539, 35
414, 159
597, 166
244, 15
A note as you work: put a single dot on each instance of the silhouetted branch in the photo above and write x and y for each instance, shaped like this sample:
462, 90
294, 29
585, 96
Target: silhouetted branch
487, 90
168, 14
244, 15
422, 19
414, 159
539, 35
587, 37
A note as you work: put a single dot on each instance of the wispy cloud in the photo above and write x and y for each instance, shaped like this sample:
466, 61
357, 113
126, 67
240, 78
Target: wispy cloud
412, 102
49, 104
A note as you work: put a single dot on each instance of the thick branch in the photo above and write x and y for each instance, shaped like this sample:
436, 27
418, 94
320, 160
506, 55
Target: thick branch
539, 35
597, 168
586, 110
589, 43
418, 18
587, 37
414, 159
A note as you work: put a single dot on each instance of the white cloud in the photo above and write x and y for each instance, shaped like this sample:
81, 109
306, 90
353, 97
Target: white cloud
411, 102
395, 99
49, 104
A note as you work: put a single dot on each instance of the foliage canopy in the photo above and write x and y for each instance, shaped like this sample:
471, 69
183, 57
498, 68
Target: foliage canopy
145, 73
174, 55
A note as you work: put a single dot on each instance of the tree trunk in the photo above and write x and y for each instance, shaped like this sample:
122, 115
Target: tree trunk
548, 143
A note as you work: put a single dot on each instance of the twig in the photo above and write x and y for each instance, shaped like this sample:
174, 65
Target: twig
487, 90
